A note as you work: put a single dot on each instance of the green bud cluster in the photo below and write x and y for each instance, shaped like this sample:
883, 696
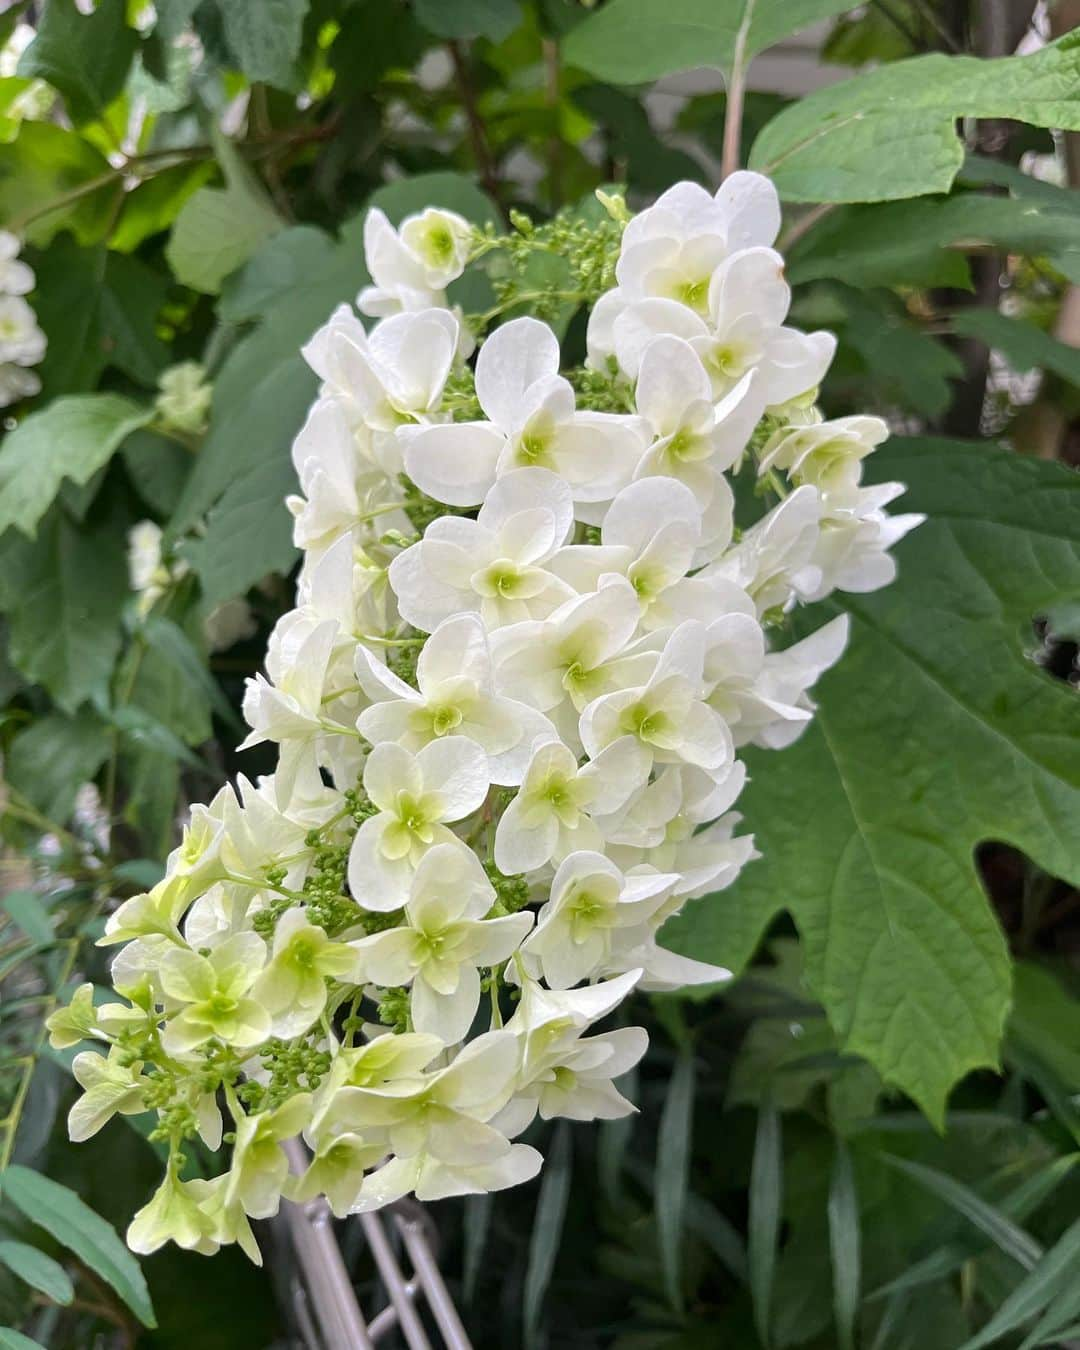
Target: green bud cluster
459, 399
327, 905
293, 1066
394, 1009
402, 661
359, 805
511, 892
602, 390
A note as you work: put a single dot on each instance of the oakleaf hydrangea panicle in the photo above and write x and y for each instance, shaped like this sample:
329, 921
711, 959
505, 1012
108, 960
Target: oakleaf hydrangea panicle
528, 646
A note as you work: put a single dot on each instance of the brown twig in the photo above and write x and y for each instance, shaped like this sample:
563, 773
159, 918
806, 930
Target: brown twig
804, 225
551, 95
478, 137
736, 96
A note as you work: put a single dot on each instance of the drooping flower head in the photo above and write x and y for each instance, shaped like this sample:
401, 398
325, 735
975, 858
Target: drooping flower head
528, 646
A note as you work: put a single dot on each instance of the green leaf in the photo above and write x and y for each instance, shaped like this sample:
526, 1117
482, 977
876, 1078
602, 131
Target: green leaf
1008, 1236
547, 1229
890, 132
673, 1144
158, 467
75, 1226
1026, 346
901, 946
491, 19
98, 309
1045, 1018
264, 36
1054, 1273
477, 1225
85, 57
632, 41
243, 471
71, 438
169, 642
218, 229
37, 1270
845, 1245
10, 1339
71, 584
918, 242
53, 757
1058, 1099
144, 731
1021, 1202
766, 1194
152, 207
28, 913
51, 179
905, 365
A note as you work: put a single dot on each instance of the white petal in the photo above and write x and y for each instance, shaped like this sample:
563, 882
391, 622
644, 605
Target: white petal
456, 650
751, 208
456, 768
448, 1016
375, 882
455, 462
521, 848
636, 325
513, 357
670, 381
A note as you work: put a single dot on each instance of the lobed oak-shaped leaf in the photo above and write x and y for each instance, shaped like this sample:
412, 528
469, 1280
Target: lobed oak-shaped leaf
936, 731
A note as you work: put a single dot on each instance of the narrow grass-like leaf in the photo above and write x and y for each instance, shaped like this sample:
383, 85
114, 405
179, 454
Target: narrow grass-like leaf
614, 1141
845, 1243
717, 1232
1013, 1240
37, 1270
10, 1339
1055, 1272
547, 1229
1057, 1317
1018, 1204
766, 1188
26, 911
672, 1172
74, 1224
477, 1225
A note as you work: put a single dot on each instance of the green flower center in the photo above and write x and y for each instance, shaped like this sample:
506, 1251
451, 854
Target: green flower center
445, 720
693, 293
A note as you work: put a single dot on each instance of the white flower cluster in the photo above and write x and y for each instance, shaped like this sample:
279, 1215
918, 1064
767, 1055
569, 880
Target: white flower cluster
22, 343
508, 705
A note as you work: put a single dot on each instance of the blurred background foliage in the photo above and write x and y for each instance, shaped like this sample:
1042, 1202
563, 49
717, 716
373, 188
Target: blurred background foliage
869, 1139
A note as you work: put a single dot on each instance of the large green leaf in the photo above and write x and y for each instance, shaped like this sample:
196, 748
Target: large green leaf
218, 229
98, 309
52, 179
85, 57
71, 438
935, 731
243, 472
1026, 346
891, 133
264, 37
75, 1225
63, 592
493, 19
53, 757
914, 242
632, 41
